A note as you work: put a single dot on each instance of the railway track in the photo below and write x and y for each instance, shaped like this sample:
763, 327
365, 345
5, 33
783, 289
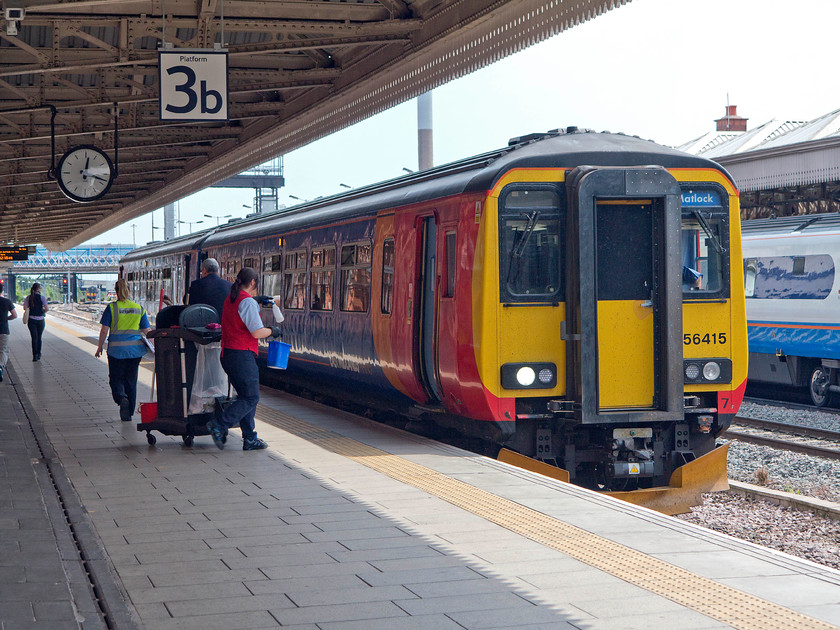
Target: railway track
804, 447
784, 404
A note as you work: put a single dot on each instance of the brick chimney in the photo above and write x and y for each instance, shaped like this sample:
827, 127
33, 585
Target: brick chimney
732, 121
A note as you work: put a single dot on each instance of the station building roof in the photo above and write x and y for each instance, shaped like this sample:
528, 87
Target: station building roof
778, 154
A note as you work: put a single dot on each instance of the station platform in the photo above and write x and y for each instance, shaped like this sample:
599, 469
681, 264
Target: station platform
342, 524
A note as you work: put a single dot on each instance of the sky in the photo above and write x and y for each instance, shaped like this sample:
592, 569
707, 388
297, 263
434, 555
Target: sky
659, 69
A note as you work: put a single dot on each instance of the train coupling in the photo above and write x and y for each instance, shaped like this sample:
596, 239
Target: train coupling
627, 470
633, 453
561, 406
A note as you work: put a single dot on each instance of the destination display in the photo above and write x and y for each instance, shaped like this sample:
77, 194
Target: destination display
14, 253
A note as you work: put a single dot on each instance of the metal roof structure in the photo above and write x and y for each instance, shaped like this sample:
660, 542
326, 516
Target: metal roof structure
782, 168
298, 70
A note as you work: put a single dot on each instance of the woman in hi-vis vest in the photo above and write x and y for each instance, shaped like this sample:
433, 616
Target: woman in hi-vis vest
124, 323
241, 328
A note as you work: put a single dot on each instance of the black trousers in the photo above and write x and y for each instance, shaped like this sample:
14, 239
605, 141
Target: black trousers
122, 376
36, 331
241, 368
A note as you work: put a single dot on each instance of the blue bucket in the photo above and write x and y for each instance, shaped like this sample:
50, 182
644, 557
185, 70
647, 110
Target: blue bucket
278, 355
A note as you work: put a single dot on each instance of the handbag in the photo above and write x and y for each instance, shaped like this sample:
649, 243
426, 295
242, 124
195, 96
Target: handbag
25, 316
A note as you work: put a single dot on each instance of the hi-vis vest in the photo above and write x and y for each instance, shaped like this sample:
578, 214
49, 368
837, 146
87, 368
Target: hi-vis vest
125, 340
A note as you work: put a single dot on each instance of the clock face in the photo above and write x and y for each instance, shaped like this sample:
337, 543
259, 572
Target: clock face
85, 173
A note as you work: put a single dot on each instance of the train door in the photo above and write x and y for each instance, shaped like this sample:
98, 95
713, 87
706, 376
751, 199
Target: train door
624, 297
425, 331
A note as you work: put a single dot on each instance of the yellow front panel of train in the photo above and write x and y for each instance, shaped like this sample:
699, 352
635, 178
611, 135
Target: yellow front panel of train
626, 373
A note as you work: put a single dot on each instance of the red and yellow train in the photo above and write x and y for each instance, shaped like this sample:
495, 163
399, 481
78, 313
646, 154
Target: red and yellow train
576, 298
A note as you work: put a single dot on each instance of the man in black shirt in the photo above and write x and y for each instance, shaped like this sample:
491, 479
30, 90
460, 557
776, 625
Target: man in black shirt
7, 312
210, 288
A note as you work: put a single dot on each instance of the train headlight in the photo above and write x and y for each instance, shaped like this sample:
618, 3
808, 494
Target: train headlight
529, 375
525, 376
711, 371
707, 371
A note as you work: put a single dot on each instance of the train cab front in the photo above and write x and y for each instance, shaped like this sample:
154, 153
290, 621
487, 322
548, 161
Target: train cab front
640, 363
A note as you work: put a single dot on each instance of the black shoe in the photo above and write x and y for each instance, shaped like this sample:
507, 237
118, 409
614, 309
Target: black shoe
253, 444
1, 375
125, 410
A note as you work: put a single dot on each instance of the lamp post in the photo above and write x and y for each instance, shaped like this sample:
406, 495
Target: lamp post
218, 217
191, 223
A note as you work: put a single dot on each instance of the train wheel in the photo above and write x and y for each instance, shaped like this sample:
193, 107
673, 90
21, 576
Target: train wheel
818, 387
151, 439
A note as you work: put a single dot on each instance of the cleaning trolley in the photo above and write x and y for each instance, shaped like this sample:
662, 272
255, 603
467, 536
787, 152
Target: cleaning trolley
188, 375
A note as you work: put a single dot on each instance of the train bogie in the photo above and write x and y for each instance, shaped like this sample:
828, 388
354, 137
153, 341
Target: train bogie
561, 298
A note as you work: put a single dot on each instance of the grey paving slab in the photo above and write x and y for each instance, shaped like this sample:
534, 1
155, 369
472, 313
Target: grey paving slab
343, 612
479, 602
421, 622
562, 618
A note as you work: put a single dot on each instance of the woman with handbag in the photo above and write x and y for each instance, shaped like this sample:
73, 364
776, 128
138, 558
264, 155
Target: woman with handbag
34, 316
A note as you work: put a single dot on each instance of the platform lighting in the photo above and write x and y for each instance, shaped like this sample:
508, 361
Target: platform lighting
191, 223
218, 217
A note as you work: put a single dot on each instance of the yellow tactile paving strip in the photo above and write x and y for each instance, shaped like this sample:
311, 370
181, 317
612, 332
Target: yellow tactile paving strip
718, 601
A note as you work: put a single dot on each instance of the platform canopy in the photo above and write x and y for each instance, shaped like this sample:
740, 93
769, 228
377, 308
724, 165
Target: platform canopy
297, 70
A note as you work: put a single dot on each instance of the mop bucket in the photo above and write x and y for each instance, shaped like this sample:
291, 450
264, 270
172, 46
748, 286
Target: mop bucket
278, 355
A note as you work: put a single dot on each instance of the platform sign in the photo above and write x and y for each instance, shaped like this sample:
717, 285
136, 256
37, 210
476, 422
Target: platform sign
14, 253
193, 85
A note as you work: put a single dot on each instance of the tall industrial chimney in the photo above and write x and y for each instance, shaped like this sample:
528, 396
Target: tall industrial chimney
425, 149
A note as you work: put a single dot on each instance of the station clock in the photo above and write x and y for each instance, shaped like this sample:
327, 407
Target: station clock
85, 173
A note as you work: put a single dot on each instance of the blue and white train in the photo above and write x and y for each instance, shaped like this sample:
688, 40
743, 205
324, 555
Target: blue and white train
793, 302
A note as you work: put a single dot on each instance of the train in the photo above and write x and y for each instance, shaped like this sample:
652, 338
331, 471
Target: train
92, 294
570, 298
792, 292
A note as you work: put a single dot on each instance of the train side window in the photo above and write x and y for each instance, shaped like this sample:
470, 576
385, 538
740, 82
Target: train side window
784, 278
272, 278
449, 287
750, 270
322, 274
355, 277
253, 263
294, 279
387, 297
531, 244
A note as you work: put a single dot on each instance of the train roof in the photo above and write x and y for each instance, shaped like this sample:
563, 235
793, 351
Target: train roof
828, 222
554, 149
